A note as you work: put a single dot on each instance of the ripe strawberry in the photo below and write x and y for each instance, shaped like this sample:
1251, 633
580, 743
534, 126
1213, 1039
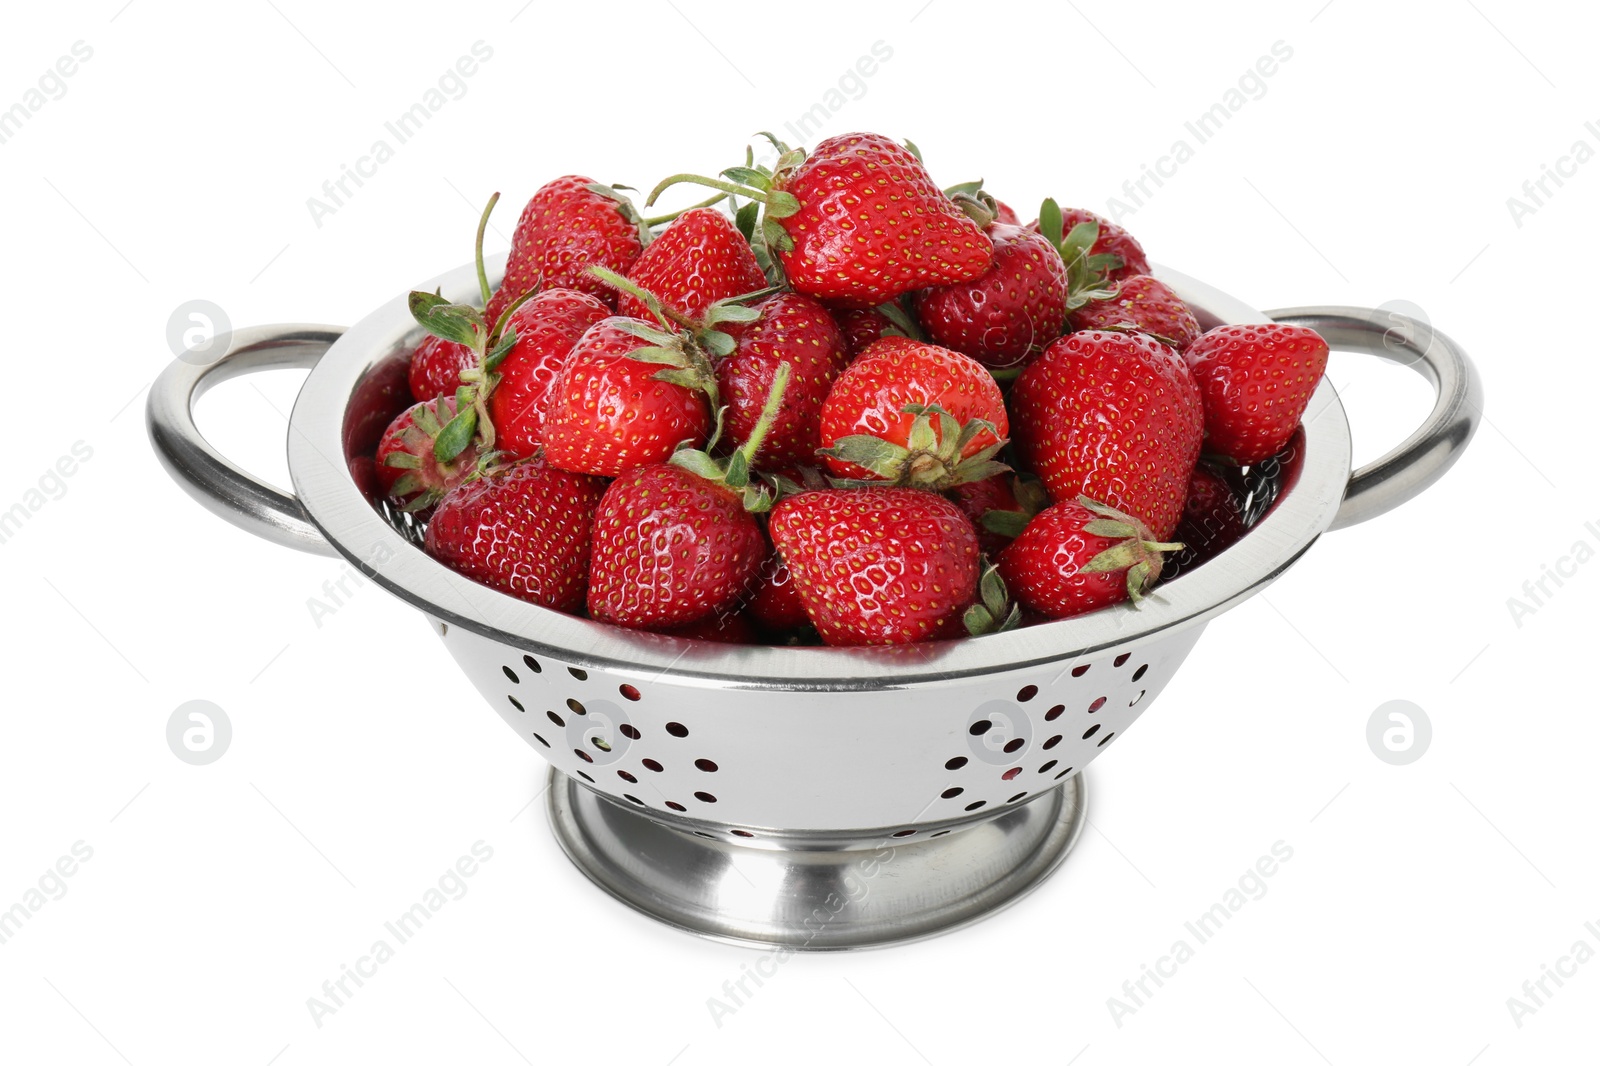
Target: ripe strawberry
791, 329
1004, 215
1080, 556
1145, 304
436, 367
546, 327
878, 566
1013, 500
523, 529
567, 226
910, 413
1112, 240
408, 470
1212, 520
1255, 381
858, 220
611, 410
1012, 310
677, 541
1112, 416
861, 326
696, 261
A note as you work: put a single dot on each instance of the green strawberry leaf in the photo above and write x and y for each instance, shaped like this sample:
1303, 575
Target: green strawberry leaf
455, 436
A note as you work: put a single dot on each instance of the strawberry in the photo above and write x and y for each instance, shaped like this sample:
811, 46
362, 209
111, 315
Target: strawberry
408, 470
696, 261
878, 566
1113, 416
1110, 239
436, 367
1013, 500
1145, 304
1212, 519
546, 328
1079, 556
523, 529
910, 413
861, 326
1255, 381
1004, 215
615, 407
791, 329
1012, 310
677, 541
858, 220
567, 226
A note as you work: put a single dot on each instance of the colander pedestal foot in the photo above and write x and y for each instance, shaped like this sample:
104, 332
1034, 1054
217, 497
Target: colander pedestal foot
811, 891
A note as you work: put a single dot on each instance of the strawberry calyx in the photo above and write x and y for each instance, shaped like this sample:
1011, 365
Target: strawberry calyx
674, 345
626, 208
1137, 551
994, 612
734, 471
1087, 271
975, 202
932, 458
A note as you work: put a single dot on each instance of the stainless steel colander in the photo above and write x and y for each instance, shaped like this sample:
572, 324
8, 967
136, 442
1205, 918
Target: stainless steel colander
814, 798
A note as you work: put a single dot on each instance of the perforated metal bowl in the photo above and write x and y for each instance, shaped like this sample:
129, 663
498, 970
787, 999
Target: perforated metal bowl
819, 798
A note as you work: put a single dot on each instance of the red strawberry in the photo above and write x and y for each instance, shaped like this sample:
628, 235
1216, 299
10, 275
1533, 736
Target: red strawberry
878, 566
1013, 309
867, 409
609, 412
1004, 215
858, 220
1080, 556
1112, 416
567, 227
523, 529
436, 367
861, 326
1145, 304
696, 261
1003, 494
1212, 519
1256, 381
776, 602
1112, 240
547, 327
791, 329
676, 541
670, 548
408, 470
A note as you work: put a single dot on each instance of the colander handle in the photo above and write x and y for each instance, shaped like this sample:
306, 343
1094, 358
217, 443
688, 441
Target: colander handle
1422, 458
202, 472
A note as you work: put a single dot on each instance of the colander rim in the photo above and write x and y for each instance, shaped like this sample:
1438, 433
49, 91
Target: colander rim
336, 505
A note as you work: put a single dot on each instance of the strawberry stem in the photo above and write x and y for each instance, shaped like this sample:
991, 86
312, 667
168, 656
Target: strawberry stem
483, 224
712, 201
769, 414
667, 316
727, 187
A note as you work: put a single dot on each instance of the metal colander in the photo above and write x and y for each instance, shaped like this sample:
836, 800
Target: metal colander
818, 798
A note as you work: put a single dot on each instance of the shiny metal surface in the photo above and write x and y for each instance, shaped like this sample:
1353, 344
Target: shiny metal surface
869, 891
1424, 456
221, 487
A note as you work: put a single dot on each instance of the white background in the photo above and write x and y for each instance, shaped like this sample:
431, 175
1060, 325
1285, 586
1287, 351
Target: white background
1376, 167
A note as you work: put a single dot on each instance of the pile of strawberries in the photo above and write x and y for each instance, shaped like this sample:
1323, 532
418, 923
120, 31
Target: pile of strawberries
832, 402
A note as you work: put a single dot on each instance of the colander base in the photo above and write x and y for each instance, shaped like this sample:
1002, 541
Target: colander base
809, 898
